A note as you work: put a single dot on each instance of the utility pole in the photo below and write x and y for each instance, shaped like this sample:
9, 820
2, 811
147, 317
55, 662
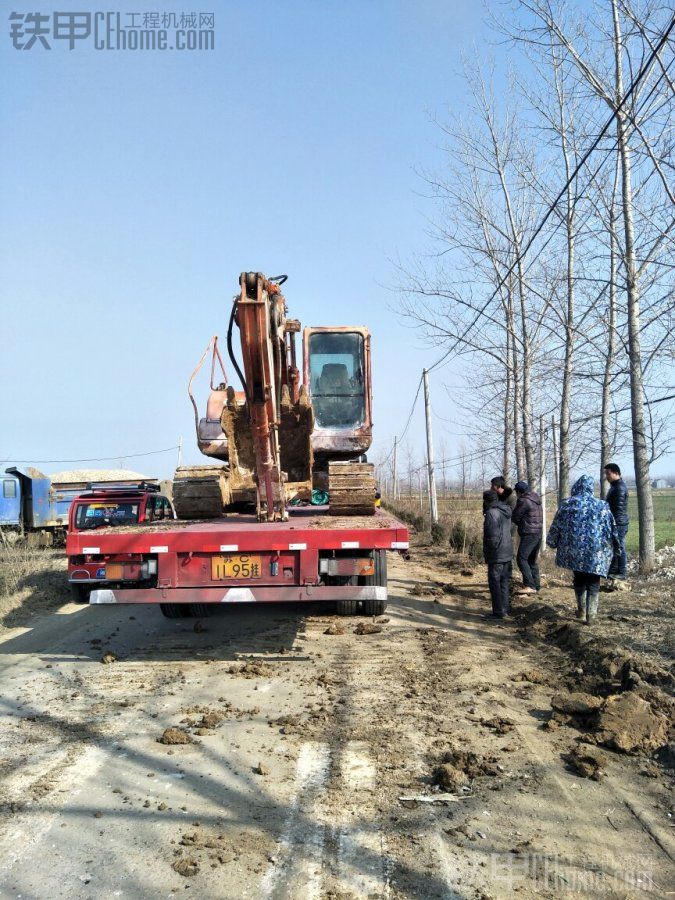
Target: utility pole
542, 481
433, 501
395, 489
180, 451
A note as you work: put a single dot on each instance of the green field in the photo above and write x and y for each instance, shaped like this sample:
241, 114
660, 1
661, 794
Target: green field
664, 520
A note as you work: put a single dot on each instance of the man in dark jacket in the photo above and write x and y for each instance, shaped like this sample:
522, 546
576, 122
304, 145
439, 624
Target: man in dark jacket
617, 498
508, 495
529, 518
498, 551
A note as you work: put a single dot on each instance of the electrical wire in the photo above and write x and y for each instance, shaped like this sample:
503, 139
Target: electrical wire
552, 206
30, 462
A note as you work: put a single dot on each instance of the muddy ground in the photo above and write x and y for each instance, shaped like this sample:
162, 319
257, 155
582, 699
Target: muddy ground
275, 752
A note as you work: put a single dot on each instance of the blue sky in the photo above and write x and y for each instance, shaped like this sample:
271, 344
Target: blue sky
136, 186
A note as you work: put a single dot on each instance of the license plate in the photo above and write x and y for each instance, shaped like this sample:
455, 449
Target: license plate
235, 567
113, 571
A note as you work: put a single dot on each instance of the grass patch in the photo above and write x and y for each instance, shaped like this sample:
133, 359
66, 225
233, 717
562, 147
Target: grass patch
664, 520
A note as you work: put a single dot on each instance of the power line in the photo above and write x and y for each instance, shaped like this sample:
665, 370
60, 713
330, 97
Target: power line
407, 424
623, 409
552, 206
94, 459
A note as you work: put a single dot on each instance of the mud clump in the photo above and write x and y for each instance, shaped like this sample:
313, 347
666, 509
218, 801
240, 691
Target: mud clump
367, 628
186, 866
628, 724
587, 762
420, 589
335, 628
252, 670
499, 724
174, 736
533, 676
458, 767
449, 777
215, 847
576, 703
211, 719
108, 658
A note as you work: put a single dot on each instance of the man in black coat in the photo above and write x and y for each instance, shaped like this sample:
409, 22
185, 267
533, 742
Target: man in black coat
617, 497
508, 495
498, 551
528, 516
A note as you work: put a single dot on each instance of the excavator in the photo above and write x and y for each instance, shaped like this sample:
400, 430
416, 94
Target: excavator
284, 437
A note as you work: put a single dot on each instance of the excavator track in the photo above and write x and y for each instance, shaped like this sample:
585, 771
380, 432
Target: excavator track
351, 489
201, 492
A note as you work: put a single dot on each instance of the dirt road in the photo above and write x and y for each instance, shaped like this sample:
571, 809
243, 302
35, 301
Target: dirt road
300, 746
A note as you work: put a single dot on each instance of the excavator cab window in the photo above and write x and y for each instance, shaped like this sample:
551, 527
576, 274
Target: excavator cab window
336, 361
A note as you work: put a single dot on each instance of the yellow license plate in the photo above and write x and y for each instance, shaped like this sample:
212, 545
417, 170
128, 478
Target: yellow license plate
113, 571
235, 567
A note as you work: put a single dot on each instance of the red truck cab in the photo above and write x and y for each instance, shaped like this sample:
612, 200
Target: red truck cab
97, 510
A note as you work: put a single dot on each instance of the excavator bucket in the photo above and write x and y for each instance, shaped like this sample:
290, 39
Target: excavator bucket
295, 429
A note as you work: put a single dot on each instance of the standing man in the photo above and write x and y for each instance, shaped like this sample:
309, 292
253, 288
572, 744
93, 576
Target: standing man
528, 517
506, 495
498, 551
617, 498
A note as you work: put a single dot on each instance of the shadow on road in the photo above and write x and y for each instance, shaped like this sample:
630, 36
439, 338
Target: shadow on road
141, 633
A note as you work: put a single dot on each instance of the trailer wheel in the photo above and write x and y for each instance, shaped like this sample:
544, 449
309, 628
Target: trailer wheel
80, 593
379, 579
347, 607
173, 610
200, 610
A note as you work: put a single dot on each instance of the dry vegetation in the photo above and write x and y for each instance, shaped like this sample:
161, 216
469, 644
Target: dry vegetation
32, 581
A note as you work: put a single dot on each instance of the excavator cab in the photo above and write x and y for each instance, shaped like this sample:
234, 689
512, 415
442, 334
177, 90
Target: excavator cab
337, 375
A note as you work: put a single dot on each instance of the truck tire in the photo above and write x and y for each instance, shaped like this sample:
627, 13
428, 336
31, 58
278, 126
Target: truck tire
173, 610
379, 579
200, 610
80, 593
347, 607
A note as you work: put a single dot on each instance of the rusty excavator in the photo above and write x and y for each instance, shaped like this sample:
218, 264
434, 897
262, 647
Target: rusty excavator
280, 438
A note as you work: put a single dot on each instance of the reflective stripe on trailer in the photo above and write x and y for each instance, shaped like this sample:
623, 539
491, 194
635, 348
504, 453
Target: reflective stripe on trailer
286, 594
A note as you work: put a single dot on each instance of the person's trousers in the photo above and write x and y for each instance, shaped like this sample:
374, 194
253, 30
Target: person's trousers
528, 551
499, 578
618, 566
587, 591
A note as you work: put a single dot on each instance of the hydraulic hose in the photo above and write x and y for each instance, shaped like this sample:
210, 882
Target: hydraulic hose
230, 352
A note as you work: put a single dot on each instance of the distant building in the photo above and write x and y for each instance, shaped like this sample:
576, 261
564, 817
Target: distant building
660, 483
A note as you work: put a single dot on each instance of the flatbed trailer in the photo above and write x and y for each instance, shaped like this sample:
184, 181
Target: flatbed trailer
187, 566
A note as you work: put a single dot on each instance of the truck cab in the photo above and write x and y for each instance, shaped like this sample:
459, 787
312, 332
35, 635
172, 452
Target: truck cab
96, 510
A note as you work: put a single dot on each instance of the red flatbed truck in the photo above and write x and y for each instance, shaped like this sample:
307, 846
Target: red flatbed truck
186, 567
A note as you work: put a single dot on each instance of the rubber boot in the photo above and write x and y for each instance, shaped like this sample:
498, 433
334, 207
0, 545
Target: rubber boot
581, 604
591, 605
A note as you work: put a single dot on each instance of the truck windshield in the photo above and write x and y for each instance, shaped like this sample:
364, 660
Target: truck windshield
337, 382
99, 514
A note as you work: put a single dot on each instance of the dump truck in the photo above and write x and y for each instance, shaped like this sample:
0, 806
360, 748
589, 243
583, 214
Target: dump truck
289, 511
36, 506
